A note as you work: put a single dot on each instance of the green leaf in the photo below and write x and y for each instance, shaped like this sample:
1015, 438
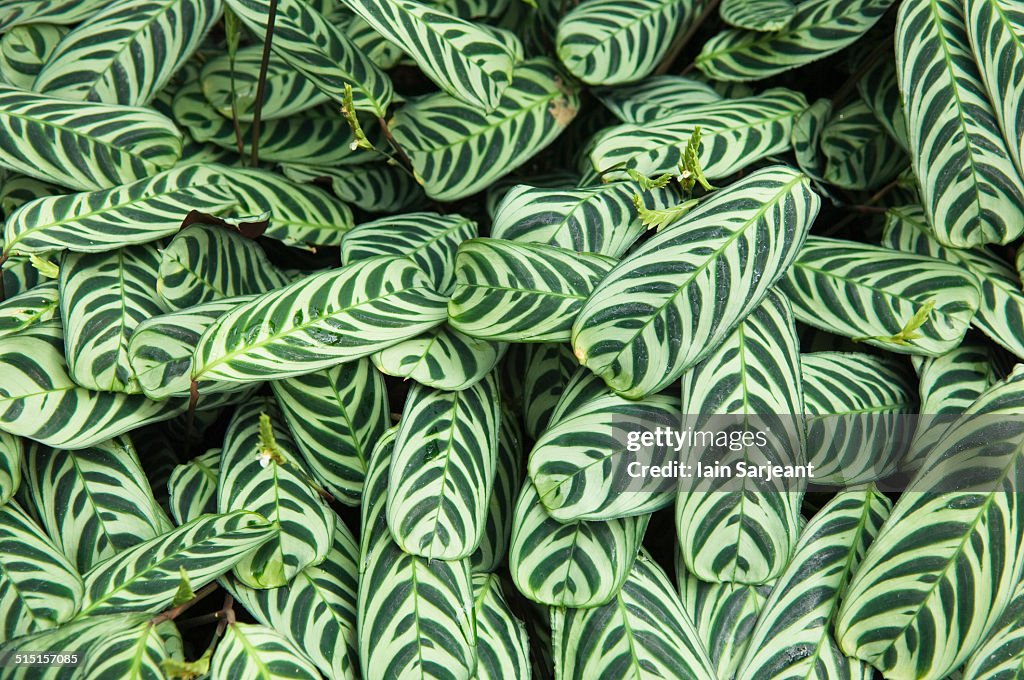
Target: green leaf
81, 145
863, 291
286, 90
1001, 653
642, 632
578, 463
415, 614
42, 402
1001, 310
441, 358
600, 220
319, 50
880, 91
25, 49
656, 98
103, 298
508, 479
956, 529
606, 42
428, 239
205, 262
185, 592
995, 29
793, 636
145, 578
502, 647
97, 221
127, 52
971, 191
442, 470
737, 132
322, 320
36, 305
61, 12
816, 30
457, 149
95, 502
138, 653
547, 368
10, 465
758, 15
374, 187
317, 611
193, 487
260, 471
744, 530
576, 564
858, 410
659, 219
621, 332
464, 60
858, 153
252, 651
39, 587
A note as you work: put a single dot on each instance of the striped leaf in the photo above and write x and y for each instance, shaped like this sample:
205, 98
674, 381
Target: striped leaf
577, 564
127, 52
758, 15
466, 61
252, 651
93, 503
11, 451
298, 213
36, 305
193, 487
521, 292
744, 530
878, 296
955, 531
415, 614
374, 187
60, 12
260, 471
1001, 652
161, 348
441, 358
134, 654
858, 153
879, 89
548, 369
39, 588
25, 49
971, 191
17, 190
995, 29
286, 90
457, 149
655, 98
502, 647
319, 50
858, 409
103, 298
490, 554
642, 632
317, 611
322, 320
948, 384
724, 615
579, 465
336, 416
734, 134
699, 263
1001, 309
793, 637
318, 135
606, 42
42, 402
83, 146
205, 263
97, 221
146, 578
442, 470
428, 239
816, 30
600, 220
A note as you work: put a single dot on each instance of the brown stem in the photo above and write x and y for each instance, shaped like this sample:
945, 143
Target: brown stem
3, 292
684, 38
226, 615
175, 612
399, 151
193, 399
262, 84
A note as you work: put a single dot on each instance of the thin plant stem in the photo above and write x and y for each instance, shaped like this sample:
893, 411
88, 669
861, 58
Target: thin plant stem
262, 84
